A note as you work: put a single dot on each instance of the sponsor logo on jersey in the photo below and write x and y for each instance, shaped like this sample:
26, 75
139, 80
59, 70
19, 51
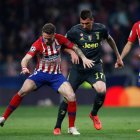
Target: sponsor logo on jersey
51, 58
91, 45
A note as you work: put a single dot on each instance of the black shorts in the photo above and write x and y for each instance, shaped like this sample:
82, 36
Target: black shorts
77, 77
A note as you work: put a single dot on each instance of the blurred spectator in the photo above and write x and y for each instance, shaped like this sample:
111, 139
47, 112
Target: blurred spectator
12, 67
20, 21
107, 58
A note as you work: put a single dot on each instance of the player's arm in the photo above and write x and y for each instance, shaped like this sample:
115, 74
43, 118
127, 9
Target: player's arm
68, 44
74, 56
126, 49
112, 44
24, 63
71, 36
86, 62
131, 39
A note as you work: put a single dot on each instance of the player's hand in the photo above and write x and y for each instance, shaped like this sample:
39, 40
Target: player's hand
74, 58
88, 63
25, 71
119, 63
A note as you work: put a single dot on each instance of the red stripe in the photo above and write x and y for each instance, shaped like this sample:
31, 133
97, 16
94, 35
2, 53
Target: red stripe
37, 65
54, 68
43, 66
52, 51
49, 67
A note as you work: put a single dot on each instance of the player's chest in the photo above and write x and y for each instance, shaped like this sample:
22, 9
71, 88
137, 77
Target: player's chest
49, 50
83, 37
90, 40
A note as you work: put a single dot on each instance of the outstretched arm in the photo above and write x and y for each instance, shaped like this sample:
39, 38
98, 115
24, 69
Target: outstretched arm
24, 64
111, 42
126, 49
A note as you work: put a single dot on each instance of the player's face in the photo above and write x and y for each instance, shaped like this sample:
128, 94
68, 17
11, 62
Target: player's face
86, 24
48, 38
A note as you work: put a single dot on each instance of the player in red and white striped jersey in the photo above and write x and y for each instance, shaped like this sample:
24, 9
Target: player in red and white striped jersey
49, 55
134, 34
48, 71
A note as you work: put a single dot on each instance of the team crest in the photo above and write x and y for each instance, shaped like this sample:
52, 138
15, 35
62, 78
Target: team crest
90, 37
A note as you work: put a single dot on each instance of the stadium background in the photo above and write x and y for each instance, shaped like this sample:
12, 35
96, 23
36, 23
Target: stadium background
20, 26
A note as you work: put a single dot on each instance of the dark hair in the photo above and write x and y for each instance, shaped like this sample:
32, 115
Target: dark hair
86, 14
49, 28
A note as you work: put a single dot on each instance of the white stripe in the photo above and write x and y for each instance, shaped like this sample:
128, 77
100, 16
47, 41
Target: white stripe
49, 50
55, 72
46, 67
59, 69
56, 42
40, 64
52, 67
54, 48
43, 47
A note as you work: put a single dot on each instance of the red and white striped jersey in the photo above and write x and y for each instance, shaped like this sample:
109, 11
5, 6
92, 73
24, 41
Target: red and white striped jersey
48, 57
135, 32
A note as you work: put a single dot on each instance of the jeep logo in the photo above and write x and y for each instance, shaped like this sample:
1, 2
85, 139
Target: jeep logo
93, 45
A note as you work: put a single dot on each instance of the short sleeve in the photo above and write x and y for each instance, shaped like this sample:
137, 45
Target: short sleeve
133, 34
70, 35
34, 49
105, 32
64, 41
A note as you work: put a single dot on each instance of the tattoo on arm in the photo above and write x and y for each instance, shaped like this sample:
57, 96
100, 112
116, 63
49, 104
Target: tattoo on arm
78, 52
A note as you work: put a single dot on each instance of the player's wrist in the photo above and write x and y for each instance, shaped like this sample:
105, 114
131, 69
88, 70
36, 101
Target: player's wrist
83, 58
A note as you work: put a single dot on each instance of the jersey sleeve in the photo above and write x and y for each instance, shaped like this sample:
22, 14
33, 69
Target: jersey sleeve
105, 32
34, 49
64, 41
133, 34
71, 35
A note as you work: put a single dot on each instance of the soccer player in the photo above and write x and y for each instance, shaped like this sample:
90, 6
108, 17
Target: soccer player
88, 35
48, 71
134, 34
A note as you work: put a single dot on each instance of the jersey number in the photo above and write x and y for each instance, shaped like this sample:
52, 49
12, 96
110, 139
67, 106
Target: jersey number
99, 75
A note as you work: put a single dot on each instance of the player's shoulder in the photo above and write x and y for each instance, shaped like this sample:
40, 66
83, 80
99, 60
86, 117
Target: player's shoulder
99, 26
59, 36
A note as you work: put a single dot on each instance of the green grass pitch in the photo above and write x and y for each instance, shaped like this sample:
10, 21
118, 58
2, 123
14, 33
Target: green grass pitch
37, 123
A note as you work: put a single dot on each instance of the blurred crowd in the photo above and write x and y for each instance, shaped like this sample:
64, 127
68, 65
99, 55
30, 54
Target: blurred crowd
21, 22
